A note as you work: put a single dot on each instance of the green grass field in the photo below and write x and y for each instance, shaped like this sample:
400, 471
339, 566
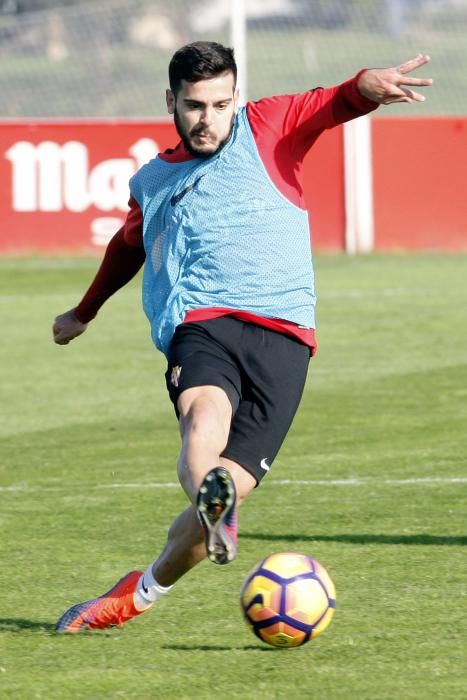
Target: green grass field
371, 481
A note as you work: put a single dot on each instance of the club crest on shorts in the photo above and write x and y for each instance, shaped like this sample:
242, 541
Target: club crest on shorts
175, 375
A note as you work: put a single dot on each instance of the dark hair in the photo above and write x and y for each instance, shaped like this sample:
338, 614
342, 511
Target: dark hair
200, 60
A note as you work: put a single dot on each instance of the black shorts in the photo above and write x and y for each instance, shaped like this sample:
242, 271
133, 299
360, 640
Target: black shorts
262, 372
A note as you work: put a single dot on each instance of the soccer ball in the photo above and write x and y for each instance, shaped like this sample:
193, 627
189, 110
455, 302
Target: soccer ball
288, 599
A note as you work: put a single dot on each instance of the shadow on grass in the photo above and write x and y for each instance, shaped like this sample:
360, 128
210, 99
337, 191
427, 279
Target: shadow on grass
216, 647
360, 539
18, 624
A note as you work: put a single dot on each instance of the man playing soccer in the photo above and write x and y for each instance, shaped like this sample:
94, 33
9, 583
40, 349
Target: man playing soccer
221, 227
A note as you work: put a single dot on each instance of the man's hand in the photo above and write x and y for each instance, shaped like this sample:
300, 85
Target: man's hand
389, 85
66, 327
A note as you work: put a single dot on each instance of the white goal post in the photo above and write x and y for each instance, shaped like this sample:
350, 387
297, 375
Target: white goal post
358, 186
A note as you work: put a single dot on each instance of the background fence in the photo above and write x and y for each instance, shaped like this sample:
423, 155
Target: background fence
65, 179
109, 57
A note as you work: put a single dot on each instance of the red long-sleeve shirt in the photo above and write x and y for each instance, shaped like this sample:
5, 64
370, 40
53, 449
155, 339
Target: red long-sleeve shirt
284, 128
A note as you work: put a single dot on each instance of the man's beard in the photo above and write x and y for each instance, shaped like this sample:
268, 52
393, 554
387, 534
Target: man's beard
187, 142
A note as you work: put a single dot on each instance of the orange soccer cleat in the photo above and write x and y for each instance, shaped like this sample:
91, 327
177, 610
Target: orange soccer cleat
113, 608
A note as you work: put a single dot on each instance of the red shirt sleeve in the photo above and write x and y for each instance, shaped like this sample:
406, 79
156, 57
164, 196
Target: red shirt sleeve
285, 128
124, 256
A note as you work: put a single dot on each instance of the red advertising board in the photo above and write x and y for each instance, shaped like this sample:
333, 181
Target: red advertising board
65, 184
419, 183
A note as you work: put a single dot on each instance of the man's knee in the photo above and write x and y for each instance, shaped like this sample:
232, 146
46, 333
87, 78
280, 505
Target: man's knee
205, 413
205, 417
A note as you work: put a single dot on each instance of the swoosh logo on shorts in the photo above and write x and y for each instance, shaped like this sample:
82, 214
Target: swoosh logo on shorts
264, 465
145, 589
176, 198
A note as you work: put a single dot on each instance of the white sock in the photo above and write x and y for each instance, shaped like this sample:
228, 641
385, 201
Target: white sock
148, 590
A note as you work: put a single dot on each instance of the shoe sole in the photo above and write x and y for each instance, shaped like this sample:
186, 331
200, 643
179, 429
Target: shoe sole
216, 497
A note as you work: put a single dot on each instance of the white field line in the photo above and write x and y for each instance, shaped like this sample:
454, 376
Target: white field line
376, 482
423, 481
